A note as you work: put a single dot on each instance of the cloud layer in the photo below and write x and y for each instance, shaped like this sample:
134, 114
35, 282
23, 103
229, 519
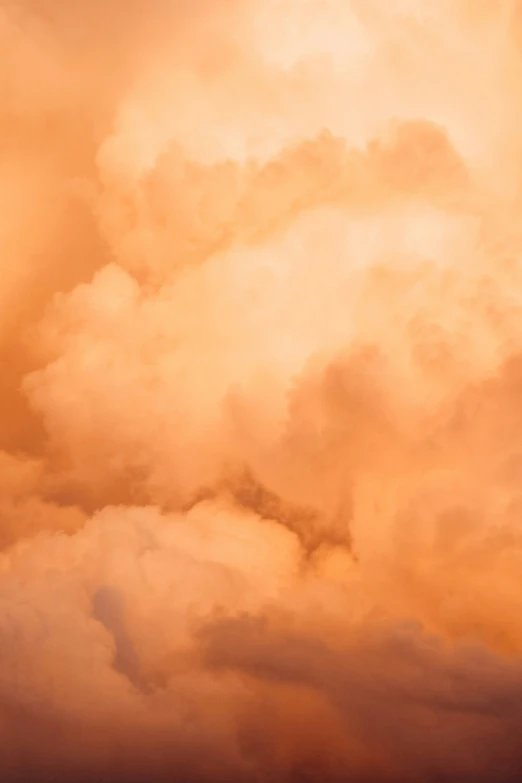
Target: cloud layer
261, 343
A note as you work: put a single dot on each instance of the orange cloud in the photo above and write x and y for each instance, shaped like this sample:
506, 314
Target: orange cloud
260, 334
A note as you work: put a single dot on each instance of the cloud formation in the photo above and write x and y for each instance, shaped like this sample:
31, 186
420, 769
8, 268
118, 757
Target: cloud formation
261, 342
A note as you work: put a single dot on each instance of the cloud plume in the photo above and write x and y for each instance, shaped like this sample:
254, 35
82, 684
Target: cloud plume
261, 345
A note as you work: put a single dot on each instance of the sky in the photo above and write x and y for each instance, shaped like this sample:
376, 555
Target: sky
261, 391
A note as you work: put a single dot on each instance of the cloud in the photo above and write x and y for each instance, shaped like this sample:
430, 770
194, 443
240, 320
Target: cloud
260, 334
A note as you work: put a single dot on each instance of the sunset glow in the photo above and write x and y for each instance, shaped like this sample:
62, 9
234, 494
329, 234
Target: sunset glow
261, 391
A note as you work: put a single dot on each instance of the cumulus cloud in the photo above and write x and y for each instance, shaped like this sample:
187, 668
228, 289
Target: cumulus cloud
261, 342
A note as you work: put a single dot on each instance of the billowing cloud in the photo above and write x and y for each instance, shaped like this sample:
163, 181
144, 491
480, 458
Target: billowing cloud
261, 340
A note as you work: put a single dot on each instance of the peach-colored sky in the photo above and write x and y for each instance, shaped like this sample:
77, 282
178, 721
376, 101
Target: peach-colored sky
261, 386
